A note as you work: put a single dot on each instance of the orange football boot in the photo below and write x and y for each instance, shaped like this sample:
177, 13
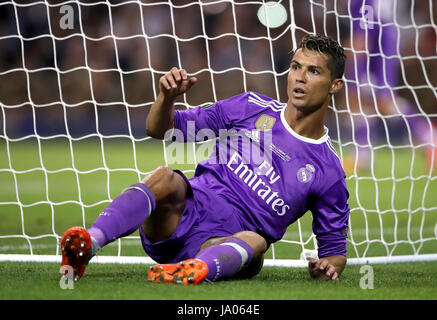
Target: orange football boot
191, 271
75, 247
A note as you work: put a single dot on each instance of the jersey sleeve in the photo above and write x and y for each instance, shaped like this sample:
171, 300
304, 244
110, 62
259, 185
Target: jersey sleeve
204, 123
330, 220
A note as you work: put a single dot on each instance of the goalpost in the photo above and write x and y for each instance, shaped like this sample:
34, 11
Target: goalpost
78, 77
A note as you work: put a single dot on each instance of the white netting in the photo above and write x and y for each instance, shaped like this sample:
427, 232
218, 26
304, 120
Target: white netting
77, 79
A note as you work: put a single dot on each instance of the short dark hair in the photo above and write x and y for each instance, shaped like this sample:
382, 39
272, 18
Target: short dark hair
327, 46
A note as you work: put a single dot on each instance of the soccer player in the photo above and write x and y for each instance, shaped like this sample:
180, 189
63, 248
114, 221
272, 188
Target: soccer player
218, 224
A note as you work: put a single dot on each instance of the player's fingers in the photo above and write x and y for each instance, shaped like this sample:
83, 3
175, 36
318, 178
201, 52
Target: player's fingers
164, 82
171, 80
330, 270
312, 263
314, 267
176, 73
323, 264
331, 276
187, 84
184, 75
191, 82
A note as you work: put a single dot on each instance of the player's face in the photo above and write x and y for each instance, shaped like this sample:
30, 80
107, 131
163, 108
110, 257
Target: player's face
309, 80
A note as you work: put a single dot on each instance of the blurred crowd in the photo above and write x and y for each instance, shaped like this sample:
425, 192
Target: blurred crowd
100, 73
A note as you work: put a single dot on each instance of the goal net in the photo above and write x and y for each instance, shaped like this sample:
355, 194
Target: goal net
77, 79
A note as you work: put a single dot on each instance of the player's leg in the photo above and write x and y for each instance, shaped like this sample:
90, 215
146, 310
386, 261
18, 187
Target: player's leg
237, 256
160, 197
170, 189
156, 204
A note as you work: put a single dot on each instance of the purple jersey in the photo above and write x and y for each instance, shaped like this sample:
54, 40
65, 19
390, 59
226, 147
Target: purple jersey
284, 177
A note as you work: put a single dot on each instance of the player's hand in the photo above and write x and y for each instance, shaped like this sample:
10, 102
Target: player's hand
322, 269
175, 82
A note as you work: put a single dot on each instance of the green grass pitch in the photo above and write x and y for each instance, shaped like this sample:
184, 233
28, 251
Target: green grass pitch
47, 186
115, 281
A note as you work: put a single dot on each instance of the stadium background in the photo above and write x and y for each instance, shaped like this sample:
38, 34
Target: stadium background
140, 62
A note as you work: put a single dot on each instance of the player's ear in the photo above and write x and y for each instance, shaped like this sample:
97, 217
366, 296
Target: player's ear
336, 86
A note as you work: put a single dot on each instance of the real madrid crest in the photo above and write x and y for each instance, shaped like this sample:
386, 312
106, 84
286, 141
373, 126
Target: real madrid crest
265, 123
305, 174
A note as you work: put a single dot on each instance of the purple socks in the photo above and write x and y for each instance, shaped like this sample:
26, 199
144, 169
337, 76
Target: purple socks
124, 215
226, 259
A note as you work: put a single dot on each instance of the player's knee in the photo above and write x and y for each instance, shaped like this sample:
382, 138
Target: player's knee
170, 190
161, 172
256, 241
168, 187
160, 182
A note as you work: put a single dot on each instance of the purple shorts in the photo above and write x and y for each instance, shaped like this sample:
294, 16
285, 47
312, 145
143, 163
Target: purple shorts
206, 215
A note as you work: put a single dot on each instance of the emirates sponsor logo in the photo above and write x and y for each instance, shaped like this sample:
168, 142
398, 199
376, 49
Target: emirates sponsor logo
260, 181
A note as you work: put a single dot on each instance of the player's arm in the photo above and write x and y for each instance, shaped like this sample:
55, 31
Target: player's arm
161, 115
330, 225
327, 268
